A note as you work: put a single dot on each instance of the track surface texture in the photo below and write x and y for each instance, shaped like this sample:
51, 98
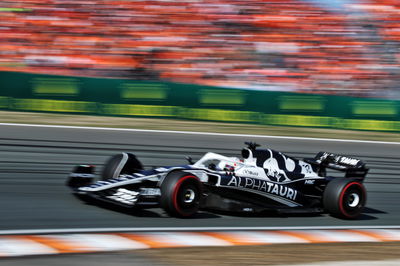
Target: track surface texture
35, 161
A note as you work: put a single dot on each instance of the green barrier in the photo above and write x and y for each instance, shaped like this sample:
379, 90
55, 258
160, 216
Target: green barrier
4, 102
138, 110
219, 115
46, 105
124, 97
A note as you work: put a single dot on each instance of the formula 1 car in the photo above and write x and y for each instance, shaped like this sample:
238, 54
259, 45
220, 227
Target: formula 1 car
262, 181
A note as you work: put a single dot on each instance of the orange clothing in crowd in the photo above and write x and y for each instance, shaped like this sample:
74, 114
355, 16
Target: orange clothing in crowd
289, 45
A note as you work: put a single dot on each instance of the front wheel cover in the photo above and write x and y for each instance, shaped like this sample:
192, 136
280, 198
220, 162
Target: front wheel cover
123, 163
180, 194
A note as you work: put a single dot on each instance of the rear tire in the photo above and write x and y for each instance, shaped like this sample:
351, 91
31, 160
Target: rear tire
180, 194
344, 198
123, 163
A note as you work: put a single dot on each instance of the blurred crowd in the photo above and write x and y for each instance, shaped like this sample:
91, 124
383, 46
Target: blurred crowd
287, 45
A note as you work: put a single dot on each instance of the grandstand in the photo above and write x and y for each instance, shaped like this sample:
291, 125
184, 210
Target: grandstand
286, 45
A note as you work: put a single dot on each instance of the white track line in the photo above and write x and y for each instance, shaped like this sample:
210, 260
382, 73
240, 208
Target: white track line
199, 133
177, 229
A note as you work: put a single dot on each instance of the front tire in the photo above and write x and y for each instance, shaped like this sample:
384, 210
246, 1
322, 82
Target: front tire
181, 194
344, 198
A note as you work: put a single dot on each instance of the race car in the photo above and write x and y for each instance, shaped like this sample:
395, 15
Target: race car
261, 181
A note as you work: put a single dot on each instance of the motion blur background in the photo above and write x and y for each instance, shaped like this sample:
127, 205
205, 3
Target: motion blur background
332, 64
341, 47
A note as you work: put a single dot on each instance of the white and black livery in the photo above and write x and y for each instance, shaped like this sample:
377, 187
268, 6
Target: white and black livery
261, 181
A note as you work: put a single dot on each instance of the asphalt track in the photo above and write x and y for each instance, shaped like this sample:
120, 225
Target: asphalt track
35, 161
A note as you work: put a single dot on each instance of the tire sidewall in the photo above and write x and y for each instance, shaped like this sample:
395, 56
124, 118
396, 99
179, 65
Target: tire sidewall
173, 188
337, 195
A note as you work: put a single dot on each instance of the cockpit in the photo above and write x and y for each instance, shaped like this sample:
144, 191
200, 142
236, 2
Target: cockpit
217, 162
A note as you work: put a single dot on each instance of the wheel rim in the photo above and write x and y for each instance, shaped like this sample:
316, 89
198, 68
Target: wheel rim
353, 200
186, 195
189, 195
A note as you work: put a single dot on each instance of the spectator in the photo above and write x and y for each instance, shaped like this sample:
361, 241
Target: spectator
289, 45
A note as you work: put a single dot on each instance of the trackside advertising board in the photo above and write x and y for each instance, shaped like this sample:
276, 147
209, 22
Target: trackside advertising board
125, 97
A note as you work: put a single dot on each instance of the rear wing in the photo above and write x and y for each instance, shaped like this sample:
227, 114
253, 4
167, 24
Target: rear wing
351, 166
